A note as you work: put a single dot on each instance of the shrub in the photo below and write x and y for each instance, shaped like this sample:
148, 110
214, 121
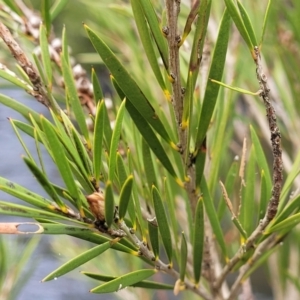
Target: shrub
161, 170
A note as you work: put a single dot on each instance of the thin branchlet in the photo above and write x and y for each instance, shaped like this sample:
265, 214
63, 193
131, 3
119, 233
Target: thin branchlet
39, 91
275, 142
159, 265
277, 171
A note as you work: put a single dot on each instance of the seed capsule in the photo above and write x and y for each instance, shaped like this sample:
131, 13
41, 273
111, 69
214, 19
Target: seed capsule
97, 205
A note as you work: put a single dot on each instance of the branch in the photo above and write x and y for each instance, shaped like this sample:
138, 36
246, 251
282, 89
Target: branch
40, 92
277, 171
173, 8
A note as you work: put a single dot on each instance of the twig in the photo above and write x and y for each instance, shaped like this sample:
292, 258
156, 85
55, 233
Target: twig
275, 141
277, 171
30, 24
159, 265
40, 92
267, 244
173, 8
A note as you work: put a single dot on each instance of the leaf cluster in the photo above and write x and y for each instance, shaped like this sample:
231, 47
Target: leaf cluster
157, 168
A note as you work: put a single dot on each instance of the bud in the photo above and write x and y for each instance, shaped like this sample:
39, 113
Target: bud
97, 205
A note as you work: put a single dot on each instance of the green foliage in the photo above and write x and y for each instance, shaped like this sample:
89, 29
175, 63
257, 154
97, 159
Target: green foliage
140, 161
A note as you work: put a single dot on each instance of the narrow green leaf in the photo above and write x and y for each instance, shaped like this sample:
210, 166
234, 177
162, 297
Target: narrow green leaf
247, 23
265, 23
289, 208
137, 217
43, 180
38, 150
146, 284
248, 202
146, 131
237, 19
216, 72
97, 238
188, 103
183, 256
98, 94
288, 224
12, 77
45, 55
98, 138
78, 261
46, 15
38, 64
65, 46
22, 193
27, 212
122, 176
248, 197
170, 191
148, 164
219, 137
213, 218
198, 241
84, 182
82, 152
195, 59
153, 22
234, 88
240, 228
73, 96
107, 129
115, 141
147, 41
20, 108
129, 87
190, 19
200, 163
153, 235
23, 75
65, 132
40, 134
121, 170
162, 222
123, 281
288, 182
264, 197
261, 160
57, 7
57, 228
109, 204
61, 161
28, 129
21, 140
125, 196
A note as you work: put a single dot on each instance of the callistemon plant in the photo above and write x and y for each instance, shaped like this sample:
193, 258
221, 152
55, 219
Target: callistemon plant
177, 169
